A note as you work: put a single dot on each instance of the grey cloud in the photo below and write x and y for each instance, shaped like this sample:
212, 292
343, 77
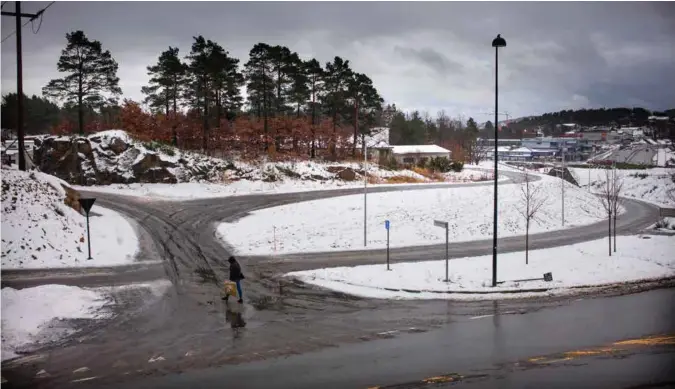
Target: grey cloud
432, 58
556, 50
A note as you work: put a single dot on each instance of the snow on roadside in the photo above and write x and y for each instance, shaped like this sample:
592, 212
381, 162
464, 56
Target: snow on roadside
584, 264
40, 231
337, 223
32, 316
652, 185
201, 190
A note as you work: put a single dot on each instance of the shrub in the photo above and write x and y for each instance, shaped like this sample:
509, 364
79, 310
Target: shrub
422, 163
440, 164
457, 166
389, 163
403, 180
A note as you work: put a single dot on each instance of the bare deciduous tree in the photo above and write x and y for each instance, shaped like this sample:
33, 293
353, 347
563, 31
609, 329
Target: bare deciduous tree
533, 200
617, 188
609, 194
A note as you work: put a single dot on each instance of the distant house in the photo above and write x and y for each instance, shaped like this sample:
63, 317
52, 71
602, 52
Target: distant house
414, 154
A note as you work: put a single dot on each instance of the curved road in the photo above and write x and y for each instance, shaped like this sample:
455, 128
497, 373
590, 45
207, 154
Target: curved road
189, 327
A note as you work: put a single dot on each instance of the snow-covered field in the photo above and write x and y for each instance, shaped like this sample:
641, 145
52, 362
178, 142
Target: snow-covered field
40, 231
652, 185
31, 315
337, 223
584, 264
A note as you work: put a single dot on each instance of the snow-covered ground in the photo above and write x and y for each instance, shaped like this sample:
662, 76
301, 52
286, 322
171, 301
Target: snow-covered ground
34, 317
198, 190
40, 231
580, 265
31, 315
664, 157
652, 185
337, 223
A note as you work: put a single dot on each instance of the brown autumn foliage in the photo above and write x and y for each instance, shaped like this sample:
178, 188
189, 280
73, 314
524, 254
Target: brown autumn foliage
289, 137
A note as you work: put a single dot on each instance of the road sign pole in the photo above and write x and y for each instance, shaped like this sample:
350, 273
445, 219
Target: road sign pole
88, 237
387, 225
388, 249
86, 204
447, 257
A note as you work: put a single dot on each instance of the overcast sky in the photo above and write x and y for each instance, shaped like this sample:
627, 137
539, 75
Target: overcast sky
426, 56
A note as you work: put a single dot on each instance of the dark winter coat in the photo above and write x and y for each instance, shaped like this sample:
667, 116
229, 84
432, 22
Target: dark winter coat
235, 272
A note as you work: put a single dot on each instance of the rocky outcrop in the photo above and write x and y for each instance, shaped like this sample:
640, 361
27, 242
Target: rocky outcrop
100, 161
566, 175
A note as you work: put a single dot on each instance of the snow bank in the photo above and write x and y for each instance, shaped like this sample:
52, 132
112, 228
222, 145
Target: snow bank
30, 316
337, 223
40, 231
584, 264
652, 185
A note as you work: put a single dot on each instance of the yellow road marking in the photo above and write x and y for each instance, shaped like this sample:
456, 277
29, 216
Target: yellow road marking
648, 341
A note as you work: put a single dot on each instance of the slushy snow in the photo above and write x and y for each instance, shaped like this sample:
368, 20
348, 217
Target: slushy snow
580, 265
32, 316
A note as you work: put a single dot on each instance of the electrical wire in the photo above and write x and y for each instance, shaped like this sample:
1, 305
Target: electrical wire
39, 13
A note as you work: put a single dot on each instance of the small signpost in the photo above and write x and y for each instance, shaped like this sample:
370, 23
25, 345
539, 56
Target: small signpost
86, 205
387, 225
443, 224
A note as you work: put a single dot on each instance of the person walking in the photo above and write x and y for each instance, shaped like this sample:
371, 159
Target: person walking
236, 276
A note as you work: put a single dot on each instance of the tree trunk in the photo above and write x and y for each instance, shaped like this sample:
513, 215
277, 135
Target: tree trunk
174, 133
206, 118
615, 231
265, 126
312, 152
609, 225
527, 242
356, 125
80, 108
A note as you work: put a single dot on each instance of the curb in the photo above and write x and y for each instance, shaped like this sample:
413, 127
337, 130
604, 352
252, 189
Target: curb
507, 291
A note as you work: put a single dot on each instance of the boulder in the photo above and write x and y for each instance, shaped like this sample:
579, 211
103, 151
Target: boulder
118, 146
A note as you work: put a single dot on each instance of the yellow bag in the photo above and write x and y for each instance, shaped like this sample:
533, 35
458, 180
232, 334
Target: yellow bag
230, 288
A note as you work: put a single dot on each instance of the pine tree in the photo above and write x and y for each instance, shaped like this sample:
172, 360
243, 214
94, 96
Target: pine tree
226, 81
260, 83
91, 72
315, 75
337, 76
282, 64
40, 114
366, 102
299, 91
167, 79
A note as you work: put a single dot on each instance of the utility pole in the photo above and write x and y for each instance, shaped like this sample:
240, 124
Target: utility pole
19, 79
562, 175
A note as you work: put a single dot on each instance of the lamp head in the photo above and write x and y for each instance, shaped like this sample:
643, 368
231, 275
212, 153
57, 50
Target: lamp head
499, 41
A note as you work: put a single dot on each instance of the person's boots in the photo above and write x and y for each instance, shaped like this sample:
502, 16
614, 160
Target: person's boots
241, 301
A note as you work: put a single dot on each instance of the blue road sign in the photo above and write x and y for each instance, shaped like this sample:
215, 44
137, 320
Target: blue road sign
386, 224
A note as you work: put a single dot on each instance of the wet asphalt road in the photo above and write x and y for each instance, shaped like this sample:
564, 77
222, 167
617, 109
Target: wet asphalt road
190, 328
495, 349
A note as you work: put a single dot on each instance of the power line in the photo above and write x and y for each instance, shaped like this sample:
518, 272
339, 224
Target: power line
40, 12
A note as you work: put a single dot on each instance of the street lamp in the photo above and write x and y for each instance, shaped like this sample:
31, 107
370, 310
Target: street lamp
496, 43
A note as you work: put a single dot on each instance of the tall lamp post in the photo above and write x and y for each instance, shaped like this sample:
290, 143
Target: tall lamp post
496, 43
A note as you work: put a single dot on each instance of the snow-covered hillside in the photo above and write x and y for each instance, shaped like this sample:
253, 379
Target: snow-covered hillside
39, 230
653, 185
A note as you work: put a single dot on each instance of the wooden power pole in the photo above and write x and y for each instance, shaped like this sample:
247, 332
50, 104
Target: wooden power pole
19, 79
